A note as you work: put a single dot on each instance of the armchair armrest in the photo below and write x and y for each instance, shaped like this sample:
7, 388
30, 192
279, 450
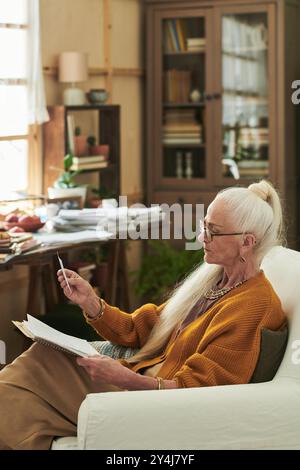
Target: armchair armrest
252, 416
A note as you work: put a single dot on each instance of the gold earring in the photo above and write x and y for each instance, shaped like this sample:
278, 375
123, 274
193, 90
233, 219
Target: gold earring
242, 259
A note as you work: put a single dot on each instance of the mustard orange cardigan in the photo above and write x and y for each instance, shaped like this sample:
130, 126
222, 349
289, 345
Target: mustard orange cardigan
220, 347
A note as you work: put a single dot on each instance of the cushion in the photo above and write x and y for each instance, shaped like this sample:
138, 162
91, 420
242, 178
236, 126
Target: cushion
113, 350
272, 349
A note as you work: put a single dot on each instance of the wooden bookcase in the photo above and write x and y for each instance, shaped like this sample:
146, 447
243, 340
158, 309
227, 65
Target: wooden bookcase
239, 124
106, 120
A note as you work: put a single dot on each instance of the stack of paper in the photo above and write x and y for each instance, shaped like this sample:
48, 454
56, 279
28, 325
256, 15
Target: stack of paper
110, 219
42, 333
76, 237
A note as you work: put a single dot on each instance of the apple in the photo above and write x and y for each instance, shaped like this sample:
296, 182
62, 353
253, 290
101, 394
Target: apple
12, 218
26, 219
16, 230
36, 219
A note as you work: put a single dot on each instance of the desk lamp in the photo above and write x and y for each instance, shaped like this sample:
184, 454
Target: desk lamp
73, 69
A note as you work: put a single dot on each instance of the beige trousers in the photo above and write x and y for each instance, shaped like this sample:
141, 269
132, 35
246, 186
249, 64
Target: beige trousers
40, 395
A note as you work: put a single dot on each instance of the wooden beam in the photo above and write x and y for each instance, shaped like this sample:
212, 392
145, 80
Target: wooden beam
102, 71
14, 137
128, 72
13, 26
107, 30
35, 167
13, 81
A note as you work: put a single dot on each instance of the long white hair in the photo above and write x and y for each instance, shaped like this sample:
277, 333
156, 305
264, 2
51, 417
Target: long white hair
256, 209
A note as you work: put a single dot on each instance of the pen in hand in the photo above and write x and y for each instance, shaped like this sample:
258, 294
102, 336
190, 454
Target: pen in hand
63, 272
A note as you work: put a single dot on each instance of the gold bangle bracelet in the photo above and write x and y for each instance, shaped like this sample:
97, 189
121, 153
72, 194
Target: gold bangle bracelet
160, 383
99, 314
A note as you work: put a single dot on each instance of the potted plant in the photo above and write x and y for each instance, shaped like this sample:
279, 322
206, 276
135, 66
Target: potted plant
80, 144
65, 185
162, 268
98, 194
93, 148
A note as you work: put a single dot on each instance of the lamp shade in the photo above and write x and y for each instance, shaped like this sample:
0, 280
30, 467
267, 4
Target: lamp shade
73, 67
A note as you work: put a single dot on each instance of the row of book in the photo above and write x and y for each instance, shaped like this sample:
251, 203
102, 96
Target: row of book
249, 136
177, 86
176, 37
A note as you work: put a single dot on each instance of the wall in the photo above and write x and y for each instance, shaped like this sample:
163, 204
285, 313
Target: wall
83, 25
110, 32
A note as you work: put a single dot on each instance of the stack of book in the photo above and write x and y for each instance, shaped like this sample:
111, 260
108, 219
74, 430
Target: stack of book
89, 163
181, 127
5, 245
15, 244
253, 168
196, 44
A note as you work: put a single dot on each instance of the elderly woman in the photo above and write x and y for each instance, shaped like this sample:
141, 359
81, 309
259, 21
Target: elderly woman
207, 333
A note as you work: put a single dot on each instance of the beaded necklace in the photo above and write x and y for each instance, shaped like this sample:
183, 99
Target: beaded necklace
212, 294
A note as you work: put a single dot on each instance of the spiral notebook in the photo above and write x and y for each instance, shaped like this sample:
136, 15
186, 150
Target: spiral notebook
42, 333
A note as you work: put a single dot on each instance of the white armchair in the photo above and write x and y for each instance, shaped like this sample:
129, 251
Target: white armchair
252, 416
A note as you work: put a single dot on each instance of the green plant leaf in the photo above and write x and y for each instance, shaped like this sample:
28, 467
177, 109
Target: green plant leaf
162, 268
68, 161
75, 173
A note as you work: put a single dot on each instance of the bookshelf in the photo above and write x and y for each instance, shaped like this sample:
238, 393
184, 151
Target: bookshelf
102, 121
242, 125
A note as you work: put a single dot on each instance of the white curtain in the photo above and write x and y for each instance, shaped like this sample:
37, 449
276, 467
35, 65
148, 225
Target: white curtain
37, 110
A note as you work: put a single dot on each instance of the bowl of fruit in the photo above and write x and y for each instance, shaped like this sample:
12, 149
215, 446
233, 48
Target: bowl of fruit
20, 222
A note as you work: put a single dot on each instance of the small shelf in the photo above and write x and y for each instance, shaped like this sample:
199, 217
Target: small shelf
255, 144
238, 127
101, 120
194, 146
89, 107
245, 95
184, 53
240, 56
238, 50
106, 168
184, 105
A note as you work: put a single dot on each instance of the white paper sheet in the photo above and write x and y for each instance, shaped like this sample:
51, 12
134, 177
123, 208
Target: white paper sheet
65, 237
71, 343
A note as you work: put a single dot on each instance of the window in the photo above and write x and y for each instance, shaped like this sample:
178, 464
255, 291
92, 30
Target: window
14, 131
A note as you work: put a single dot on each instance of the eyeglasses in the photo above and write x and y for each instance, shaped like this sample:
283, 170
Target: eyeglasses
210, 235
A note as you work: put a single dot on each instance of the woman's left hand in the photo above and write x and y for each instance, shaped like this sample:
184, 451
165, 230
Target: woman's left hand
104, 369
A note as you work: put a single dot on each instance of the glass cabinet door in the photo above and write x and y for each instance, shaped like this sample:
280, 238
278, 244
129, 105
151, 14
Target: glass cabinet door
245, 95
182, 112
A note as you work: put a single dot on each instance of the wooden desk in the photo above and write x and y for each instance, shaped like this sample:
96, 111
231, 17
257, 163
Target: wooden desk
43, 264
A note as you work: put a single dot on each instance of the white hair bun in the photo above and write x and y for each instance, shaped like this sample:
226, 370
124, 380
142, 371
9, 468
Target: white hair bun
262, 189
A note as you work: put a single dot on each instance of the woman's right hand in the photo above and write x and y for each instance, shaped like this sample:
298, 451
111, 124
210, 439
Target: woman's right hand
81, 291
